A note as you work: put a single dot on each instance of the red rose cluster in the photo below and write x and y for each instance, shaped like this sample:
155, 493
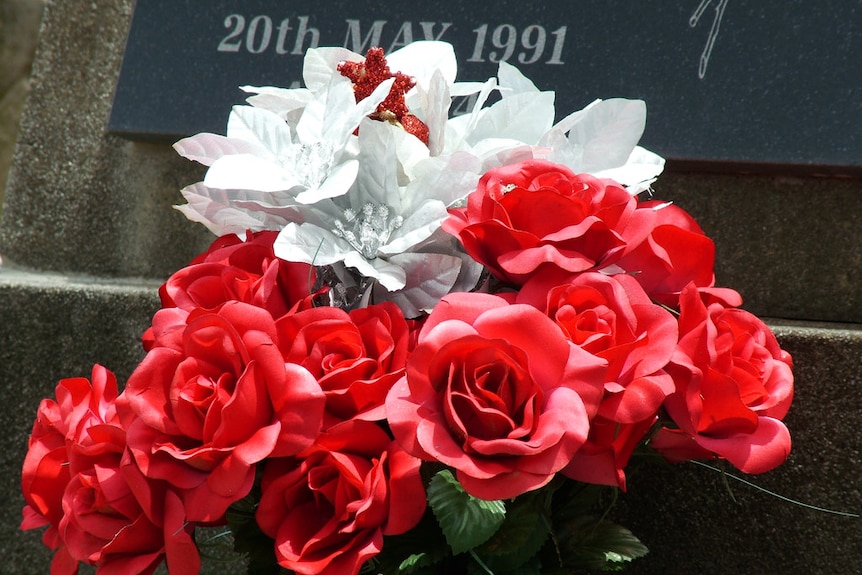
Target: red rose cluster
242, 370
600, 329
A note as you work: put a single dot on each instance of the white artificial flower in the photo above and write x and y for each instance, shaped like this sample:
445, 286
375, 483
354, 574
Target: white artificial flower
382, 228
601, 140
370, 207
265, 163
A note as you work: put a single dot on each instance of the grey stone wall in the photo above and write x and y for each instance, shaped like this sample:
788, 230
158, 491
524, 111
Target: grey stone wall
19, 31
88, 232
81, 201
693, 524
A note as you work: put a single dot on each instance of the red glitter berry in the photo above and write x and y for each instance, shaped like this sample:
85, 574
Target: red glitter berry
367, 75
415, 126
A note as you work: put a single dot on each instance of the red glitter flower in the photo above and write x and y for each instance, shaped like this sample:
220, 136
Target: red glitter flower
367, 75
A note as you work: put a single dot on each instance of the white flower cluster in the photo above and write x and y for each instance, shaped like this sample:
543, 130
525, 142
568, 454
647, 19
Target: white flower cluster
373, 203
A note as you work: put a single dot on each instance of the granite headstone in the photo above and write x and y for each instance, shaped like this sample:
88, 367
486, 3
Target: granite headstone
748, 85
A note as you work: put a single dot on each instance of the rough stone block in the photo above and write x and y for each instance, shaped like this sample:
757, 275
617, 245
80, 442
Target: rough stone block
19, 32
19, 27
691, 523
55, 327
78, 200
789, 245
51, 328
81, 202
11, 104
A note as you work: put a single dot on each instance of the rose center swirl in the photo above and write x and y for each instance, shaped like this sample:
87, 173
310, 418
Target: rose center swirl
491, 395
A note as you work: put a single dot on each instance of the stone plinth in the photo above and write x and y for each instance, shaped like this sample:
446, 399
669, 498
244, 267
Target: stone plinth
52, 327
80, 201
19, 32
690, 522
789, 245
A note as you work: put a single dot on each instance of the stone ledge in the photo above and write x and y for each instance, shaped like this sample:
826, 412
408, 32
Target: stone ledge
53, 327
789, 245
691, 524
79, 200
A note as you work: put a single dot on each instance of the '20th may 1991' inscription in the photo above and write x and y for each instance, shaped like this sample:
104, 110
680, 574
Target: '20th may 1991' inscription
531, 44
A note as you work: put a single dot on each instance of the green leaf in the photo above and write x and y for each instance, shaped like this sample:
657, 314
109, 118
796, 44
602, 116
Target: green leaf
589, 543
521, 536
466, 521
416, 561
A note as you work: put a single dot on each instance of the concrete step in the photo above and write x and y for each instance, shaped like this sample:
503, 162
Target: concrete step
53, 326
691, 523
792, 246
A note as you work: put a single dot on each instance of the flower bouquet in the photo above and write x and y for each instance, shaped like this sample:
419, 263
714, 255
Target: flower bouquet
420, 343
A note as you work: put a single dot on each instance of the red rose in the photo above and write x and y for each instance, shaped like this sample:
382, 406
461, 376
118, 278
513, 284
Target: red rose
247, 271
535, 215
734, 385
675, 253
212, 398
355, 357
46, 473
497, 392
329, 508
99, 520
612, 318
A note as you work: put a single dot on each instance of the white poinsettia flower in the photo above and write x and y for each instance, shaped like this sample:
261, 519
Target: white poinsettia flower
377, 227
601, 139
262, 152
370, 207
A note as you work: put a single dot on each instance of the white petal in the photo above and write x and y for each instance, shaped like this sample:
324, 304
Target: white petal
429, 277
260, 127
356, 111
513, 82
566, 123
213, 208
377, 181
562, 152
419, 225
609, 133
422, 59
523, 117
207, 148
247, 172
409, 150
390, 276
495, 153
467, 88
337, 183
309, 244
280, 101
445, 178
321, 64
639, 172
434, 104
477, 112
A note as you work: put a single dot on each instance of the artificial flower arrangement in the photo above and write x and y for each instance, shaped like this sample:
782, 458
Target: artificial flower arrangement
420, 343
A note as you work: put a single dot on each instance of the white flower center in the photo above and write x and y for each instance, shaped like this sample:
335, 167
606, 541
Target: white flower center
368, 230
311, 163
